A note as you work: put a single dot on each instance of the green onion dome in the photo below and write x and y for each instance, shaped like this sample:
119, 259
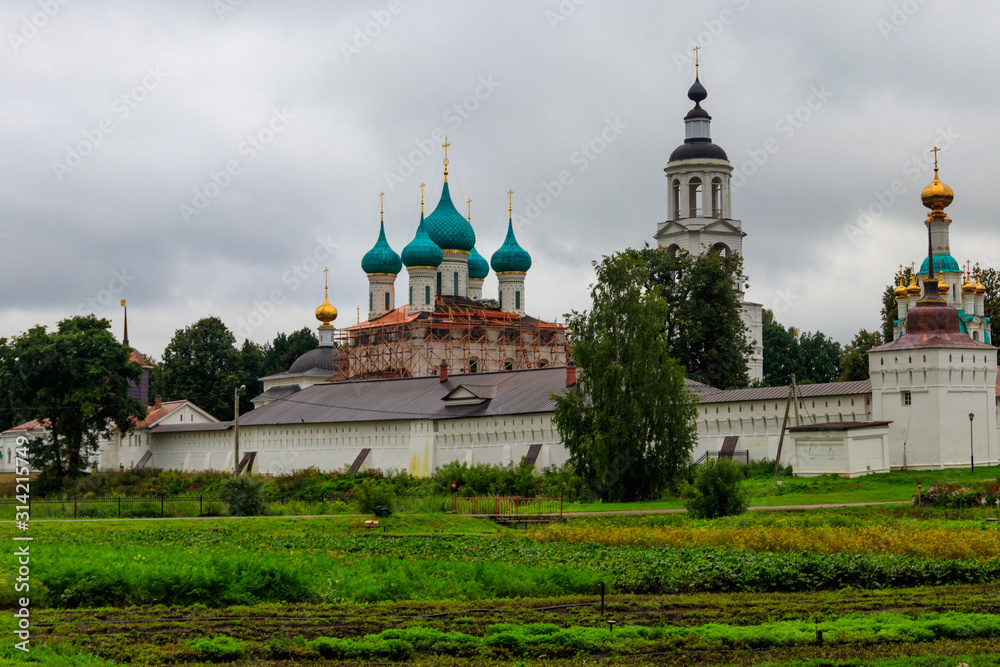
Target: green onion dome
447, 227
421, 251
478, 267
381, 258
510, 256
945, 263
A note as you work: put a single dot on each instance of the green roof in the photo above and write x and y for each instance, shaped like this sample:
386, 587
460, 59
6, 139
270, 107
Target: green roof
947, 263
381, 258
478, 267
421, 251
447, 227
510, 256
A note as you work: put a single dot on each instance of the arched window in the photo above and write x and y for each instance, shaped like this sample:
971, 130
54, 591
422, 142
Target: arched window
672, 250
716, 197
722, 249
675, 195
543, 363
473, 365
694, 197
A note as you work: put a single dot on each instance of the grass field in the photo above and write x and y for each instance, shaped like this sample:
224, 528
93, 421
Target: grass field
887, 585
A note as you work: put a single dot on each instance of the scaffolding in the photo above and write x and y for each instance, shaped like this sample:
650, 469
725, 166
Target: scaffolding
468, 336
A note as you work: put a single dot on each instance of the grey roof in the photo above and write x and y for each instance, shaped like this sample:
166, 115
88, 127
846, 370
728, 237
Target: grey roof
506, 393
322, 357
280, 391
179, 428
776, 393
318, 372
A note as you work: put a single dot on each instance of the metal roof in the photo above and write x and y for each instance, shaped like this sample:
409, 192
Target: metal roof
776, 393
513, 392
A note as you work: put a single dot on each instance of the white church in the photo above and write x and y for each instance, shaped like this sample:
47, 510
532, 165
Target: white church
931, 402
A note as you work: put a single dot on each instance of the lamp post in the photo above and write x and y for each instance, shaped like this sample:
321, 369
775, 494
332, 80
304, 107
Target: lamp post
972, 448
236, 427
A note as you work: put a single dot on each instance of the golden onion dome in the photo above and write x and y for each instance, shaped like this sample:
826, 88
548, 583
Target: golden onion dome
980, 288
326, 313
937, 193
968, 287
913, 289
900, 291
943, 287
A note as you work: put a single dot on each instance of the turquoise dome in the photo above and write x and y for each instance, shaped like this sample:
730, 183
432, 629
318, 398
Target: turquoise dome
446, 226
510, 256
945, 263
421, 251
381, 258
478, 268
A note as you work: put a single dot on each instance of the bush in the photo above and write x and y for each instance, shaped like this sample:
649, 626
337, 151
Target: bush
244, 495
374, 493
718, 490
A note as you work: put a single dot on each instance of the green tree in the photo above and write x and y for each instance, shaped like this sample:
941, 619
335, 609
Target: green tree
252, 368
202, 364
782, 357
854, 362
286, 349
990, 278
719, 490
704, 323
819, 357
76, 381
630, 426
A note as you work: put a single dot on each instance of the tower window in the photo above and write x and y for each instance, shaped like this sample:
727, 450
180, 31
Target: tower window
473, 365
716, 197
694, 197
907, 398
517, 300
722, 249
675, 192
387, 301
411, 295
427, 295
501, 299
371, 300
455, 291
438, 293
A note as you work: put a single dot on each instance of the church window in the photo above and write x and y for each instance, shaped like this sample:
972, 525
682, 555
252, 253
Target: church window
387, 301
438, 293
427, 295
672, 250
411, 294
694, 195
517, 300
455, 291
722, 249
543, 363
907, 398
501, 299
371, 300
676, 195
473, 365
716, 197
909, 359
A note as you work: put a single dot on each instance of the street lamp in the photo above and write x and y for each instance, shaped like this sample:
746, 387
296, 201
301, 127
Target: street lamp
236, 426
972, 448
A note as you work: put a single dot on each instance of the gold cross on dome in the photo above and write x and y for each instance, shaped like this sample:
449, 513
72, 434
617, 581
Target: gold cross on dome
469, 202
935, 151
445, 146
422, 186
696, 50
510, 201
381, 202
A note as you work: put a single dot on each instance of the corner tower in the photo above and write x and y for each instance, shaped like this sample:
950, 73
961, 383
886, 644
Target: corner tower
699, 209
382, 265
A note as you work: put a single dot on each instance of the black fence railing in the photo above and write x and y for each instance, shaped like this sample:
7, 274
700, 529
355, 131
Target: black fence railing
118, 507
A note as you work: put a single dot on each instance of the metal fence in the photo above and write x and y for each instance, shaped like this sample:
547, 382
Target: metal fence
741, 455
515, 507
120, 507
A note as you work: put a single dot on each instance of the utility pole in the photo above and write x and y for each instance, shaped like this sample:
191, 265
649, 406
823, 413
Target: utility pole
236, 426
972, 446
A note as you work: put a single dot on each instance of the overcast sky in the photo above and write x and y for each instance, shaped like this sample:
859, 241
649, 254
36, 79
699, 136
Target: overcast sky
211, 157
